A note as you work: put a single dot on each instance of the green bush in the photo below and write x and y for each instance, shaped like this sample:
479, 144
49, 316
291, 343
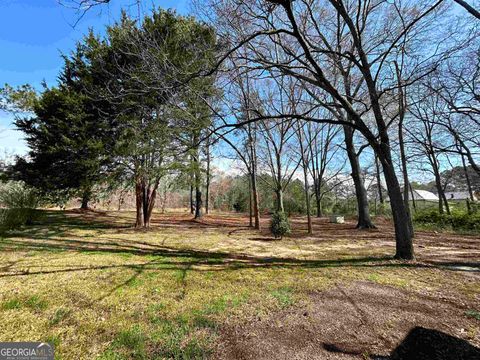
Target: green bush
279, 225
475, 207
346, 207
294, 206
18, 204
457, 220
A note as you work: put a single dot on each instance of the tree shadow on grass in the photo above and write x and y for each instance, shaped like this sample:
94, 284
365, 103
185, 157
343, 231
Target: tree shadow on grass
52, 236
197, 259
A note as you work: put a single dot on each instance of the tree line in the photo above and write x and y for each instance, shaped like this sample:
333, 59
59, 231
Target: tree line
301, 89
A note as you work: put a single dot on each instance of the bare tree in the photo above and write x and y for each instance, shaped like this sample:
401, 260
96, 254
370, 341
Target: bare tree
426, 136
305, 33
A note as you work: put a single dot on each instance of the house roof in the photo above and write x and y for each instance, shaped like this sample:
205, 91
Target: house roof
424, 195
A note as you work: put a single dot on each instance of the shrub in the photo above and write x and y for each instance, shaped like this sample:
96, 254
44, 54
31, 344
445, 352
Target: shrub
475, 207
279, 225
294, 206
17, 205
457, 220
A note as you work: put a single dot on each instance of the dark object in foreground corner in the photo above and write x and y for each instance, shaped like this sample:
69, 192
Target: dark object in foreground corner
421, 344
428, 344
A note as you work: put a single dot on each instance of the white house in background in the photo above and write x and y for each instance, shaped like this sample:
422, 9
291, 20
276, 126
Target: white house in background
459, 195
423, 195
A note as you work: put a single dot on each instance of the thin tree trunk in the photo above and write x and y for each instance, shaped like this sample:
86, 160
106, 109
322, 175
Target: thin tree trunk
467, 179
192, 204
139, 202
442, 199
164, 200
207, 182
413, 197
197, 181
307, 199
256, 210
305, 179
401, 111
250, 202
379, 181
364, 220
318, 201
279, 190
146, 197
253, 167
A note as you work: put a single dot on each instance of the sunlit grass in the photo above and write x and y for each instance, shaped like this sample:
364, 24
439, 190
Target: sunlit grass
99, 289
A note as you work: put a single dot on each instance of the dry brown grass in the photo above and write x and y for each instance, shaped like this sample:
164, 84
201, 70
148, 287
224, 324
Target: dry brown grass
98, 288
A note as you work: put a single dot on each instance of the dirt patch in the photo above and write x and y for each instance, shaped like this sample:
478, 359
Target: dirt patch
361, 321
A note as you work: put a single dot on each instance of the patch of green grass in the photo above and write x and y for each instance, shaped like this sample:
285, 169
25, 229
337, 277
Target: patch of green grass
200, 321
216, 307
373, 277
134, 282
58, 316
12, 304
222, 304
111, 355
53, 340
133, 341
157, 307
473, 314
284, 296
183, 338
388, 278
33, 302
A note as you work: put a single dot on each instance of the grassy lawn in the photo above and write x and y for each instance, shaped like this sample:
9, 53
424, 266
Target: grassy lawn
98, 289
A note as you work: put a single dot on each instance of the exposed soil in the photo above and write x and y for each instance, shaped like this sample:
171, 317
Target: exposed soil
361, 321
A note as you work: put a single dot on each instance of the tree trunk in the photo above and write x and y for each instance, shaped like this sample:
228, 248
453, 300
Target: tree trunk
207, 182
307, 199
85, 199
256, 210
150, 206
253, 167
146, 197
318, 201
401, 217
305, 179
198, 183
379, 181
139, 202
164, 201
364, 220
250, 205
198, 203
279, 193
442, 200
413, 198
192, 204
403, 157
467, 179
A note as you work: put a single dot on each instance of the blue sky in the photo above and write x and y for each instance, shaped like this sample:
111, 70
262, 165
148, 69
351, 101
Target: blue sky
33, 35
